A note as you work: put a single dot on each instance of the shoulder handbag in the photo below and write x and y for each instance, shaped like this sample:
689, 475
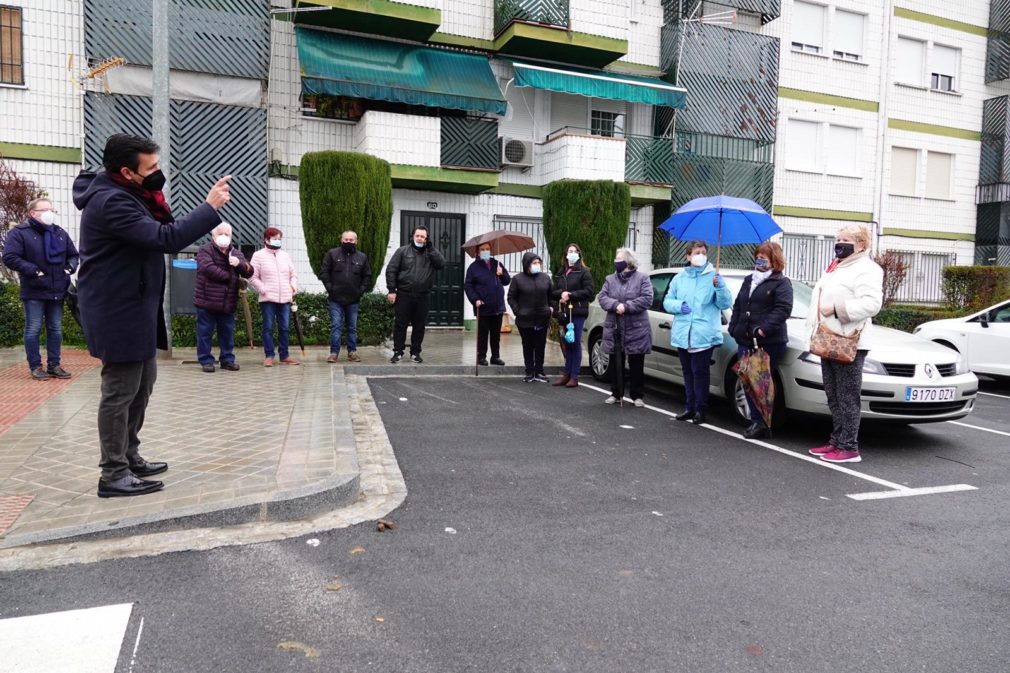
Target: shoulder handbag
829, 344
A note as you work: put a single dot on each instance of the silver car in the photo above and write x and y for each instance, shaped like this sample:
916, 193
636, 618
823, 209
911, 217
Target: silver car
905, 379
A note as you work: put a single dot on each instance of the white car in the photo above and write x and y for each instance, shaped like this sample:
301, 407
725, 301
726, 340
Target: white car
905, 379
982, 338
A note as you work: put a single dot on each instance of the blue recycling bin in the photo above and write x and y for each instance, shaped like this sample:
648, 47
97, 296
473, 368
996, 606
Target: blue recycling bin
183, 282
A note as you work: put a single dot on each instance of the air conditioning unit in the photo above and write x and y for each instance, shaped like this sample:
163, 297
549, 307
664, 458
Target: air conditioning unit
516, 152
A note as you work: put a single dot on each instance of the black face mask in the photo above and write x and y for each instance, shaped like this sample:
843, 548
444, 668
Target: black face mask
843, 250
154, 182
348, 248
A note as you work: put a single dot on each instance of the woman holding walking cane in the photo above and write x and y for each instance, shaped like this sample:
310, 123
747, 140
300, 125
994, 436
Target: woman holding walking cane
626, 297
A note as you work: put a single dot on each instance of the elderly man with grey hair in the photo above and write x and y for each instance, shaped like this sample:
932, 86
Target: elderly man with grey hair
219, 266
347, 276
626, 297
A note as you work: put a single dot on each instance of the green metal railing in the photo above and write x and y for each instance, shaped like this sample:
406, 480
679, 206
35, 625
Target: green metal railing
470, 143
768, 10
997, 56
548, 12
648, 159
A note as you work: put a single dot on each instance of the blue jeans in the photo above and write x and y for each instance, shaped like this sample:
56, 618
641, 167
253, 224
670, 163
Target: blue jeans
38, 311
338, 316
775, 353
206, 321
573, 351
697, 376
278, 315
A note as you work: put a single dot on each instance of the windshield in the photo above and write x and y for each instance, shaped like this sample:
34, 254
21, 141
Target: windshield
801, 295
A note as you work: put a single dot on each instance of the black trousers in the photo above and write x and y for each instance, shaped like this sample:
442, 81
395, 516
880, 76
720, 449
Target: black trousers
635, 381
534, 344
489, 326
410, 309
126, 388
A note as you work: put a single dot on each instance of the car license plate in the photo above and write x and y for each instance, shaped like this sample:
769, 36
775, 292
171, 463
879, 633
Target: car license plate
913, 394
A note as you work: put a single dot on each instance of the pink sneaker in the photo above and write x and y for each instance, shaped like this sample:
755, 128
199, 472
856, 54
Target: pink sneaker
842, 456
821, 450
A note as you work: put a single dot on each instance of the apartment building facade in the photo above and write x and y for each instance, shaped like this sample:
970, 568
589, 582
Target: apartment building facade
823, 112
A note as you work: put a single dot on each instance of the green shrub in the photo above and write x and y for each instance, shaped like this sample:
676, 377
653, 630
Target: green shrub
12, 320
907, 317
973, 288
341, 191
591, 213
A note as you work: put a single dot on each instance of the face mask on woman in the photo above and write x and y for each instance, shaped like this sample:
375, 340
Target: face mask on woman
760, 264
843, 250
485, 255
534, 269
274, 243
620, 266
222, 241
572, 258
700, 259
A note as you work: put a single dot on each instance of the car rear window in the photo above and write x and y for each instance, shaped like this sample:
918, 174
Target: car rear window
660, 284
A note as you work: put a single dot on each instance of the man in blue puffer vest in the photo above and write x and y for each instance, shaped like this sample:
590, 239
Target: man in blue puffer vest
697, 297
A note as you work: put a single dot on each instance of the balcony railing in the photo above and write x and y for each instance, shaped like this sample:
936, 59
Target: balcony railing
768, 10
648, 159
470, 143
546, 12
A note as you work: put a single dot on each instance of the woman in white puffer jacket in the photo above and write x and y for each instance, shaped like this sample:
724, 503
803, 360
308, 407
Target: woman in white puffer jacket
847, 296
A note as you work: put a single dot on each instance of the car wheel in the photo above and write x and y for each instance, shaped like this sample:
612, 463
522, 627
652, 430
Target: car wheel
599, 361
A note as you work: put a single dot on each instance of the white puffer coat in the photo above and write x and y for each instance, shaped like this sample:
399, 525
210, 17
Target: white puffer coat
856, 287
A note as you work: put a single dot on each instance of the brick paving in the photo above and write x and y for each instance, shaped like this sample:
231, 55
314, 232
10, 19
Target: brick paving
259, 436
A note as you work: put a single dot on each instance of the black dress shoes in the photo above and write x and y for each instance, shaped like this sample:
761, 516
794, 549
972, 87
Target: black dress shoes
686, 416
482, 362
126, 486
756, 431
497, 361
698, 418
146, 469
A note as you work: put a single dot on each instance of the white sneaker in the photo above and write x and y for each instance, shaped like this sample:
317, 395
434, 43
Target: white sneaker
639, 403
610, 400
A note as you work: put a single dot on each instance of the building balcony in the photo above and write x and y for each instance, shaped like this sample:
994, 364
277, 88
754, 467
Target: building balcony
543, 29
768, 10
408, 19
574, 154
648, 160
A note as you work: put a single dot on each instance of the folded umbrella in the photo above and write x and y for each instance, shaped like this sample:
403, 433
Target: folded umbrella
755, 373
298, 327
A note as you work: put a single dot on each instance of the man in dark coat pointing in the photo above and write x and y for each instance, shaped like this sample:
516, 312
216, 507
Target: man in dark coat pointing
126, 228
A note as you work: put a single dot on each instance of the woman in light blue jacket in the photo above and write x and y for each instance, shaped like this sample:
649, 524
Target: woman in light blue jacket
696, 298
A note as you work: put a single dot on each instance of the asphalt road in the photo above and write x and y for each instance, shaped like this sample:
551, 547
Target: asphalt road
545, 531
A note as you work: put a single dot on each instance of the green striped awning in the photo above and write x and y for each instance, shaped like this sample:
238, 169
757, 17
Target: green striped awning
358, 67
599, 84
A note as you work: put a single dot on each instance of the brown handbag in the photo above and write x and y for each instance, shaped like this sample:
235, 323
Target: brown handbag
829, 344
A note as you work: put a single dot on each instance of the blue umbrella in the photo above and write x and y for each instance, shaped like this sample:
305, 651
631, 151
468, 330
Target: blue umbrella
721, 219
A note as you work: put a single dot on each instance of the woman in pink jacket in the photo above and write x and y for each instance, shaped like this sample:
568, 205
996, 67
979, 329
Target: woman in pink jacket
275, 281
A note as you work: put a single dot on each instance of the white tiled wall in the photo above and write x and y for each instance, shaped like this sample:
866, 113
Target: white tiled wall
608, 18
469, 18
400, 138
48, 109
581, 158
645, 18
57, 181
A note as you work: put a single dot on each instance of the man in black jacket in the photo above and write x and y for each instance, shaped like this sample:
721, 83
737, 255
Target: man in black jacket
346, 275
126, 229
409, 277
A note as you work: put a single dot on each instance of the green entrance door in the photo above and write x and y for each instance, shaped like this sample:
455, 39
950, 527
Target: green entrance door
446, 232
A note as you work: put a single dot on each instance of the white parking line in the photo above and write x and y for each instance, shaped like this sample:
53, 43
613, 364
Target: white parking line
897, 490
1005, 397
83, 641
979, 427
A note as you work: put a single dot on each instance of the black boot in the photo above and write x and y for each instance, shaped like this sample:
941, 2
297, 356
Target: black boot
698, 418
756, 431
686, 416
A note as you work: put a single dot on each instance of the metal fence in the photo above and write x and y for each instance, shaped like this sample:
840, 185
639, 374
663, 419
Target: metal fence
923, 282
807, 256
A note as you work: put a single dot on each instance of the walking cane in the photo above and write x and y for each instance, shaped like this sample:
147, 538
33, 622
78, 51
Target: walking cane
248, 317
476, 354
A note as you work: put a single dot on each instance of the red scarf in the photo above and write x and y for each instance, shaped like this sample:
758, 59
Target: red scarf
833, 265
155, 201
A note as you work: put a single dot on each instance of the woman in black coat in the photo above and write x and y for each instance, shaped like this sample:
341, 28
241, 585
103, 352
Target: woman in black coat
529, 297
484, 286
760, 312
573, 289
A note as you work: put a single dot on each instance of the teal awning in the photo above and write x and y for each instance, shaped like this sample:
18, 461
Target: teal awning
598, 84
357, 67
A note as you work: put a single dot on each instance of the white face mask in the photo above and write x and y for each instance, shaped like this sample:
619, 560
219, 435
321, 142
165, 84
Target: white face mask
535, 268
223, 241
274, 242
47, 218
572, 258
700, 259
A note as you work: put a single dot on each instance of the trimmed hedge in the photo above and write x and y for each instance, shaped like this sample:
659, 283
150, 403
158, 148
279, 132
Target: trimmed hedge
375, 321
973, 288
341, 191
908, 317
593, 214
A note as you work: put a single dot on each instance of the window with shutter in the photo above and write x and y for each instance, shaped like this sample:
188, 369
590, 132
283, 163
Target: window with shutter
847, 35
943, 68
842, 151
904, 170
909, 58
938, 172
808, 27
801, 146
12, 69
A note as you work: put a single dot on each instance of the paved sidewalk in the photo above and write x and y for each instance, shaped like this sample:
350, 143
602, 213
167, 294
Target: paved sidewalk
260, 444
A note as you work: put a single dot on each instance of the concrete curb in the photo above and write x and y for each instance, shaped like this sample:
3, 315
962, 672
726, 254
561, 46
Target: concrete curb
404, 369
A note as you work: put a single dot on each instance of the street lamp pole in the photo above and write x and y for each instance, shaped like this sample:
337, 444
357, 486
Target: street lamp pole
160, 123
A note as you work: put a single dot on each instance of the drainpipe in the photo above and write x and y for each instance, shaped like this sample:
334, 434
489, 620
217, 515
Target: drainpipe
885, 86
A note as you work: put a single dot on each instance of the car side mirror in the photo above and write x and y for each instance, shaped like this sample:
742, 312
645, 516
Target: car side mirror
984, 320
